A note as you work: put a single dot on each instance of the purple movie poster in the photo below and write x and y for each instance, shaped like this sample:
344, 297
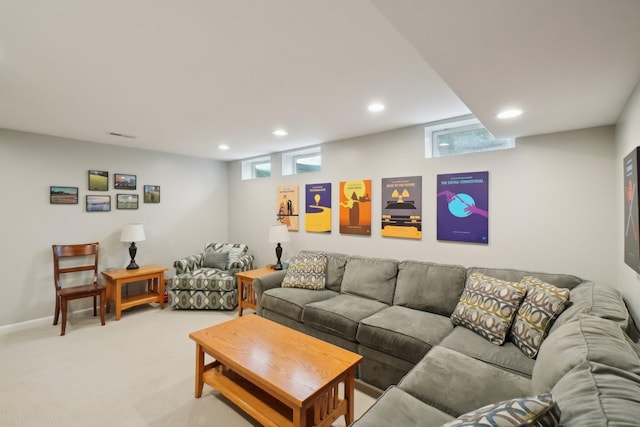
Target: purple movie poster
463, 207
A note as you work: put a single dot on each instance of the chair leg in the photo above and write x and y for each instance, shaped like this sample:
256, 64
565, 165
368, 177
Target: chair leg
63, 302
103, 303
57, 313
95, 313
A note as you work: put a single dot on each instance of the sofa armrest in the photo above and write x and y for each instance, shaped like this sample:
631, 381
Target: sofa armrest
243, 264
188, 264
264, 283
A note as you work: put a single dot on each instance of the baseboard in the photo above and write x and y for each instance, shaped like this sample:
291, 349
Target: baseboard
15, 327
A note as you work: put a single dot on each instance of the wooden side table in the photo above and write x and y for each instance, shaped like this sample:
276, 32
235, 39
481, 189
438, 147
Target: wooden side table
153, 274
246, 296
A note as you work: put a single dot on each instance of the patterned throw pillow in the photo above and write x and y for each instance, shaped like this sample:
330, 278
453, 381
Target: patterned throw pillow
540, 411
307, 270
488, 306
540, 308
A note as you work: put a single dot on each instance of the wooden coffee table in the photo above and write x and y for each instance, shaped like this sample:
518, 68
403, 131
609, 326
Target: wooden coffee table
279, 376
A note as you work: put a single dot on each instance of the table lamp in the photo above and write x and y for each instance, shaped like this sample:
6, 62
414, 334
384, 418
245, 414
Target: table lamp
278, 234
132, 233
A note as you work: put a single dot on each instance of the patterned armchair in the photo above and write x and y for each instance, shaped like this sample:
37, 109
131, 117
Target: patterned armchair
206, 280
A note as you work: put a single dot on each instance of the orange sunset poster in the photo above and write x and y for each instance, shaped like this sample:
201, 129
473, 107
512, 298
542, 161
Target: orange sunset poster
355, 207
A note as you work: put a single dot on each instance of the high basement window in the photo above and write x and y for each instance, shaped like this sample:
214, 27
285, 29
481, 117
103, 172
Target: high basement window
256, 168
302, 161
461, 135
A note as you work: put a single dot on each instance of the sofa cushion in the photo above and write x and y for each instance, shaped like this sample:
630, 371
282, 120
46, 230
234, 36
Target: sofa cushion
213, 259
373, 278
429, 287
308, 271
596, 300
539, 411
336, 263
585, 339
340, 315
403, 332
506, 356
488, 306
542, 304
511, 275
594, 394
455, 383
210, 279
398, 408
290, 302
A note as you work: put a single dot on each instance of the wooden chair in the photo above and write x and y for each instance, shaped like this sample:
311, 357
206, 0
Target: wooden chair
64, 294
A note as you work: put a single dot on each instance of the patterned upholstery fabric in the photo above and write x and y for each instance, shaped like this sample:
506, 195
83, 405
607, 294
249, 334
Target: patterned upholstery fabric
307, 271
197, 287
540, 411
488, 306
541, 306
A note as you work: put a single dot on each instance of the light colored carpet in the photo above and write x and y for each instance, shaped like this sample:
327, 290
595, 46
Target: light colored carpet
138, 371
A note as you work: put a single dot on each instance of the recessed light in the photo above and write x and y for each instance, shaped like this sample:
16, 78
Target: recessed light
223, 147
280, 132
509, 114
376, 107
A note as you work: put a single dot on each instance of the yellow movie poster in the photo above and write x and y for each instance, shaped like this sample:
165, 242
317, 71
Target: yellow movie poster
317, 215
287, 206
355, 207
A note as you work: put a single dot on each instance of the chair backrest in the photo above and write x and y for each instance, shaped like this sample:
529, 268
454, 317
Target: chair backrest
75, 251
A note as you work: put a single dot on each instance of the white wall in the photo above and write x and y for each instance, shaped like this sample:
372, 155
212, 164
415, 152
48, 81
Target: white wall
192, 212
552, 202
627, 138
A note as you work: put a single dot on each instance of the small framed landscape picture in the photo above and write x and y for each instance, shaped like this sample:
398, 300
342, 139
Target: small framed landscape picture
98, 203
152, 194
63, 195
123, 181
98, 180
127, 201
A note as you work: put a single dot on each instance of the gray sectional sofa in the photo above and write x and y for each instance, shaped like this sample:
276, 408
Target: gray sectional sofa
397, 314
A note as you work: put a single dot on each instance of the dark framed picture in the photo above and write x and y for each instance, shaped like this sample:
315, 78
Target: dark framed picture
152, 194
98, 203
123, 181
98, 180
63, 195
127, 201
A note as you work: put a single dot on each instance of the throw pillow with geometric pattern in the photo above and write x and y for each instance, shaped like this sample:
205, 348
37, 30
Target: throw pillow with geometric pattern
307, 271
540, 308
540, 411
488, 306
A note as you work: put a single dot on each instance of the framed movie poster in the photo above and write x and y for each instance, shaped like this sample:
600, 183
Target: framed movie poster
318, 208
355, 207
631, 231
463, 207
402, 207
287, 206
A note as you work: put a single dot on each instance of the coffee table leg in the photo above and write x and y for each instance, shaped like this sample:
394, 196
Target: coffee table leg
349, 385
199, 370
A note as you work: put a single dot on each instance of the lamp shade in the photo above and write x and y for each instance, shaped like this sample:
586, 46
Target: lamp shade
132, 233
278, 234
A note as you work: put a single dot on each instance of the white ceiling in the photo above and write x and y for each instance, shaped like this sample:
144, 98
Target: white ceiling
185, 76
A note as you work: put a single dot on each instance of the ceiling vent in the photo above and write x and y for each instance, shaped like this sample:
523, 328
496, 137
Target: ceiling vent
121, 135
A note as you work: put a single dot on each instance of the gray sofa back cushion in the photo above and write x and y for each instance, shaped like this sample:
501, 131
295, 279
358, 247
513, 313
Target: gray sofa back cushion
511, 275
429, 287
335, 268
597, 300
373, 278
585, 339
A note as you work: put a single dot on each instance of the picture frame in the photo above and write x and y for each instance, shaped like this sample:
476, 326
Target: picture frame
126, 201
151, 194
98, 180
98, 203
123, 181
60, 195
